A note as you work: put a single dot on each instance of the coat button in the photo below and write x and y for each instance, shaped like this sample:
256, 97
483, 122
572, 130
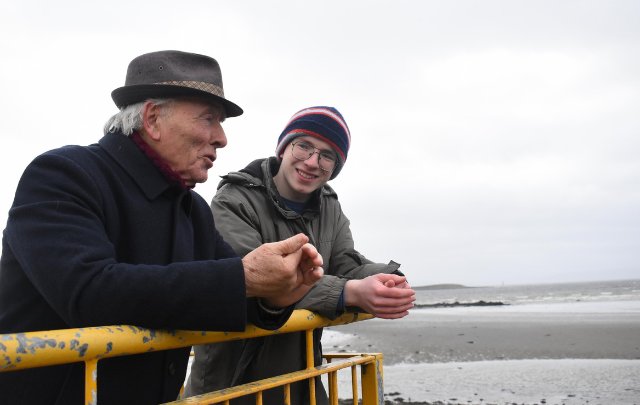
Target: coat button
172, 368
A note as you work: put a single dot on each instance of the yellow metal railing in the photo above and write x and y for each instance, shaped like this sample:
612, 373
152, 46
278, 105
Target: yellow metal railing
38, 349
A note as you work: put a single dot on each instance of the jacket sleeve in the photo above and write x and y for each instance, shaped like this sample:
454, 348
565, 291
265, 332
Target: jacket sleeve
57, 233
236, 221
345, 264
239, 225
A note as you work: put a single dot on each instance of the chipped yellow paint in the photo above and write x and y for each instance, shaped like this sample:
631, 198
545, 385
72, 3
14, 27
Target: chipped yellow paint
282, 380
287, 394
91, 382
38, 349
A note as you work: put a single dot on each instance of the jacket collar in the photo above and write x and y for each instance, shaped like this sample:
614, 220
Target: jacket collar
143, 172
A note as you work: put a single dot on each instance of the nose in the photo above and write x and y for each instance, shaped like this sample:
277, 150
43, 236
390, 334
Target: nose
314, 160
218, 137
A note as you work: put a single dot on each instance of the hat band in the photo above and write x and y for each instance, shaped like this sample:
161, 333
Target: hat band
208, 87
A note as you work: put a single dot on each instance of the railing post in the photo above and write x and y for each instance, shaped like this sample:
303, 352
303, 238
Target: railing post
310, 365
354, 385
91, 382
372, 382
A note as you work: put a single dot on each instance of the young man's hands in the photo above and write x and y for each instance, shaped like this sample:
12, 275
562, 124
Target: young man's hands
282, 272
386, 296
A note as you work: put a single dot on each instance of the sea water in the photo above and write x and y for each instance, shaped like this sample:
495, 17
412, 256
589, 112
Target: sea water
590, 291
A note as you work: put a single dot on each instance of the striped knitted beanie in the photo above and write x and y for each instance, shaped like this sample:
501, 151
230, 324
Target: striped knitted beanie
324, 123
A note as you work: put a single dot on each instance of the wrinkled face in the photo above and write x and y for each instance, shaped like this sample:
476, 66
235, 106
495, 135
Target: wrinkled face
190, 132
297, 179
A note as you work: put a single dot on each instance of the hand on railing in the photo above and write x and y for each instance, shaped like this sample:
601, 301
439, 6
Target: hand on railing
382, 295
282, 272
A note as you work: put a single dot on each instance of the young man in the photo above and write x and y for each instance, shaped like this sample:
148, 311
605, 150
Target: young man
271, 200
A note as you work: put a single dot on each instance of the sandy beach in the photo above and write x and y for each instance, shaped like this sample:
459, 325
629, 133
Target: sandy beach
573, 353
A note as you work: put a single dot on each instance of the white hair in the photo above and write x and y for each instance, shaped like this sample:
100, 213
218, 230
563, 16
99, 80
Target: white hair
129, 118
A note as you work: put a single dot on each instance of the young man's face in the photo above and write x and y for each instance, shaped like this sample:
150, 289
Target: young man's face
297, 179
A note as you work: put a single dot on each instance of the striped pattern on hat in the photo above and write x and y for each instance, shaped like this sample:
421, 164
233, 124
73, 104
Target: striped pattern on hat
324, 123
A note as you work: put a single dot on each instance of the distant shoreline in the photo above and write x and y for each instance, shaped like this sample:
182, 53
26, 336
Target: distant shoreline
441, 287
459, 304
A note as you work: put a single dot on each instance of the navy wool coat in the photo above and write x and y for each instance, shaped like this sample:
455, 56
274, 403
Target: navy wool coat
97, 236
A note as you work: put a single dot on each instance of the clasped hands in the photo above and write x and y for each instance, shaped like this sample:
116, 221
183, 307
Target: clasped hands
387, 296
282, 272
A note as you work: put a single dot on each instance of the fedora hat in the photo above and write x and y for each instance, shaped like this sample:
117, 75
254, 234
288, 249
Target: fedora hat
173, 74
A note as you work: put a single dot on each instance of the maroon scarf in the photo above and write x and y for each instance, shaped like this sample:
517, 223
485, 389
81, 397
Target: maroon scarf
171, 175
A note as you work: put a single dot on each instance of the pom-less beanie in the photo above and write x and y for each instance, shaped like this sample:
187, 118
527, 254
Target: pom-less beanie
324, 123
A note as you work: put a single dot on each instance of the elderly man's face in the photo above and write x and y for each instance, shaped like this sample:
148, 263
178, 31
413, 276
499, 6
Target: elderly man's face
190, 132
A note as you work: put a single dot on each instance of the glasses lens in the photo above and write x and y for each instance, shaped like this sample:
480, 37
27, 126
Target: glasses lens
327, 161
304, 151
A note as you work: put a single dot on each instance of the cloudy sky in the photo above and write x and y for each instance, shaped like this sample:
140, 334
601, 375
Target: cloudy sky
493, 141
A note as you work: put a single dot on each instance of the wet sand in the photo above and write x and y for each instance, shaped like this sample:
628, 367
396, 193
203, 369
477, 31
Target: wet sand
561, 331
544, 354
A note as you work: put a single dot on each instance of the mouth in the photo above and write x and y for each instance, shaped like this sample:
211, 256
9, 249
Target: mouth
306, 175
210, 158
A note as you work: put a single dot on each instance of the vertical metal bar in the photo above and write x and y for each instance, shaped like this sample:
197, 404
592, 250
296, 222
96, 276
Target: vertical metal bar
226, 402
372, 390
330, 379
354, 385
333, 388
259, 398
310, 362
312, 391
287, 394
91, 382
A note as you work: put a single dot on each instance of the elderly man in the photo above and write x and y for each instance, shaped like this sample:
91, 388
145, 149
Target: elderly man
273, 199
112, 233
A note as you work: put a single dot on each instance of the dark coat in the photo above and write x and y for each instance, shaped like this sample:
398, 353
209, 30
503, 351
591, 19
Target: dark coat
97, 236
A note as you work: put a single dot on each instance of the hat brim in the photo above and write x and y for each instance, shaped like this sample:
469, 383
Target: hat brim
127, 95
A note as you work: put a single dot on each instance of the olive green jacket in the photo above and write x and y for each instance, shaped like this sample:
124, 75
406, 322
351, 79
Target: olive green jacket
248, 212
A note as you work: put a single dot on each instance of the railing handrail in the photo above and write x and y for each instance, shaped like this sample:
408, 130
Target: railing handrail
37, 349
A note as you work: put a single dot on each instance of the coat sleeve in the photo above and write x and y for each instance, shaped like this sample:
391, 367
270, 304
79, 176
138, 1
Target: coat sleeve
238, 223
345, 264
57, 233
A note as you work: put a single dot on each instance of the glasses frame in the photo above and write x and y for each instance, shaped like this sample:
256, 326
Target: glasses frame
315, 150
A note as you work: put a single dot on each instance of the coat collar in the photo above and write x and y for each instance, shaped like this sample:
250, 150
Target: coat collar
143, 172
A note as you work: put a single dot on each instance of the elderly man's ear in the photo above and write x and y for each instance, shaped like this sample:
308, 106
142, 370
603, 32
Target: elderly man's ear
150, 115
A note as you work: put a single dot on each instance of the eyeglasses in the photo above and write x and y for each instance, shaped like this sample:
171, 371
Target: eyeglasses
303, 151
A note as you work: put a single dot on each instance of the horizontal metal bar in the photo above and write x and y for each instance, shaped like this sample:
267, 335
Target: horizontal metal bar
268, 383
36, 349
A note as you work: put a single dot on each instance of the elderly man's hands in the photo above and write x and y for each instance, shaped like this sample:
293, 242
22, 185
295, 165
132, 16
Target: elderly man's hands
383, 295
282, 272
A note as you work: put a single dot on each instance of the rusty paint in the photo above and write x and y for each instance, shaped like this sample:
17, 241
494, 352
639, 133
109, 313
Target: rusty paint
61, 345
3, 347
